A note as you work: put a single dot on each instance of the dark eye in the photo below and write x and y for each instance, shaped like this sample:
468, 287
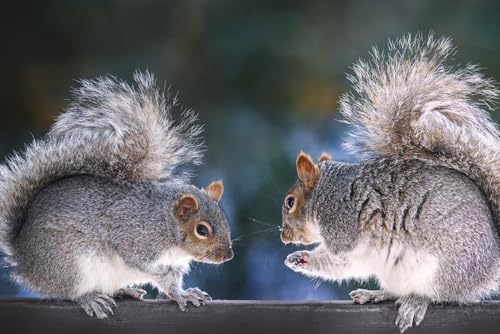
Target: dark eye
203, 230
290, 203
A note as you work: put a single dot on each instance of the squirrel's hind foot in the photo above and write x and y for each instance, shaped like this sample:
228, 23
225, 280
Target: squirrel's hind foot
411, 310
362, 296
99, 305
130, 293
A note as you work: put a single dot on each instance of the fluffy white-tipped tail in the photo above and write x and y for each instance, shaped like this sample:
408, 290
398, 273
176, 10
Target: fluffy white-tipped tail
407, 101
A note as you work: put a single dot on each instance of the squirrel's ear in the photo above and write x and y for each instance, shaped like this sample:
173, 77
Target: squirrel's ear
215, 190
307, 171
186, 207
325, 156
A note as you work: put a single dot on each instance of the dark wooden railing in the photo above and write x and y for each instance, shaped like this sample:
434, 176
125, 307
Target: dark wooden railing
241, 317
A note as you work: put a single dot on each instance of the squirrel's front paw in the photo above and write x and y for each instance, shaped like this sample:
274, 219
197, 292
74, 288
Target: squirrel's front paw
194, 296
298, 261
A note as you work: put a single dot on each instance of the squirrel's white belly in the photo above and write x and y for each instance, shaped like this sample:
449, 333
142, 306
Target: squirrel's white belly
403, 270
107, 274
409, 271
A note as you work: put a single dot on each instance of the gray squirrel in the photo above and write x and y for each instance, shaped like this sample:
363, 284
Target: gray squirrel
104, 201
421, 213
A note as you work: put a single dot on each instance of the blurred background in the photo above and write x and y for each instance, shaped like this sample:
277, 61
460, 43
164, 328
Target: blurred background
265, 77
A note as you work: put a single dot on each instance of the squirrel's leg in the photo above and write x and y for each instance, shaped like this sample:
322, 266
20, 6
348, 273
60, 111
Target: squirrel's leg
170, 281
133, 293
96, 304
411, 310
319, 263
362, 296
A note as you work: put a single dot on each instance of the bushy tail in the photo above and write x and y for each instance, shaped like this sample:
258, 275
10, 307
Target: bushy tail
407, 102
110, 129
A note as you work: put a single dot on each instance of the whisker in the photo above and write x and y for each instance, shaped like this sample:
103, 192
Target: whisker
237, 245
260, 222
238, 238
271, 229
267, 230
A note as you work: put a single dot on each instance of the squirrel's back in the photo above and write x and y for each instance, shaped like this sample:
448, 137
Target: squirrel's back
421, 197
75, 202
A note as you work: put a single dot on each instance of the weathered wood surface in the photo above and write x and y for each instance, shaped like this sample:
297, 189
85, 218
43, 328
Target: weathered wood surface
241, 317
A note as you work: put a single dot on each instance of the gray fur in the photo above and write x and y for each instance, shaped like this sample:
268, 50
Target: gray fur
431, 183
388, 195
83, 214
106, 181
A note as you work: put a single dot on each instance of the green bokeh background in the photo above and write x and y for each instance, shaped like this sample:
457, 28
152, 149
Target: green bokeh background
265, 77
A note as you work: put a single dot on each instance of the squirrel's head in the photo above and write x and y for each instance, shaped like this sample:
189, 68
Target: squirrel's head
297, 226
205, 232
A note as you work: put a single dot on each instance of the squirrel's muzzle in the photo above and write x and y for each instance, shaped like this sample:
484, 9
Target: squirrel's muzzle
303, 234
223, 255
229, 254
286, 235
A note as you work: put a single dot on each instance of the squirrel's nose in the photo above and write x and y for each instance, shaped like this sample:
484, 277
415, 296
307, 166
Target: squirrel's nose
223, 254
229, 254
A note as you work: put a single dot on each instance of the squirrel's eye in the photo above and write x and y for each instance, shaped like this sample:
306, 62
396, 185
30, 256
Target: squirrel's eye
203, 230
290, 203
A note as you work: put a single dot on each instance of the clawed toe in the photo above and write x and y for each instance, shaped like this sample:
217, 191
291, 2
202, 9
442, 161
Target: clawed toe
99, 305
362, 296
133, 293
194, 296
201, 295
411, 311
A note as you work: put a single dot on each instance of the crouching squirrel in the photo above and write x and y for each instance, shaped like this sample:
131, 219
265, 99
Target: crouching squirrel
104, 201
421, 213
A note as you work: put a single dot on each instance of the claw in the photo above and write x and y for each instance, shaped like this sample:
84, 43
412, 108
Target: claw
362, 296
98, 305
194, 296
132, 293
411, 310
